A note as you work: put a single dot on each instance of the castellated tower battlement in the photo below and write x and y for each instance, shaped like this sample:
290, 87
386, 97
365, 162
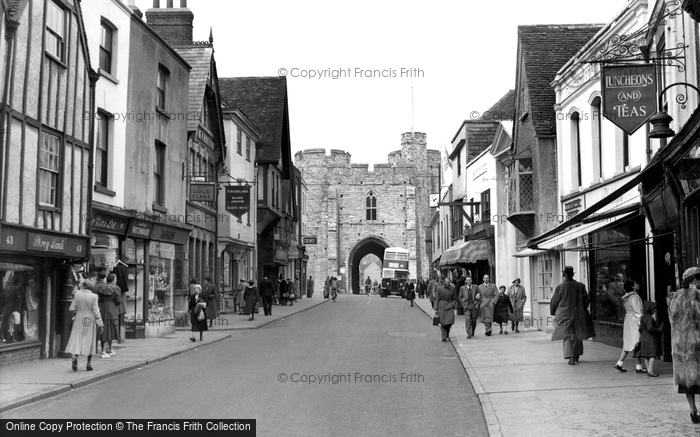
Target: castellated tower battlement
338, 215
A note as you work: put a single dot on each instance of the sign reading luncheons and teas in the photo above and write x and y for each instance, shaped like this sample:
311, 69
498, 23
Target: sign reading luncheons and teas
629, 95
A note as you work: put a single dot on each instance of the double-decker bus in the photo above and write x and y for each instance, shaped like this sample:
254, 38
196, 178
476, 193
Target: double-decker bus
394, 271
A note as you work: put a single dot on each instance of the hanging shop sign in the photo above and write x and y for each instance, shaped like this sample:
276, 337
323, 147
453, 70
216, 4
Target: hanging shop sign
629, 95
140, 229
237, 200
202, 192
309, 240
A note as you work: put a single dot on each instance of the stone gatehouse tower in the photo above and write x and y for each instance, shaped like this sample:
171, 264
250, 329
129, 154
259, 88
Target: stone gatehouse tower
354, 212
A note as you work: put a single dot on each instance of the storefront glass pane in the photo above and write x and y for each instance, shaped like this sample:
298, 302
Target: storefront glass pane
134, 297
160, 285
19, 304
609, 263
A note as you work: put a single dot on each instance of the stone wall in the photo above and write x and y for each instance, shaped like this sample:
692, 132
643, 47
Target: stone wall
336, 205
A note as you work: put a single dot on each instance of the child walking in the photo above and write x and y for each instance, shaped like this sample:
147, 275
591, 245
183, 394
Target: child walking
650, 331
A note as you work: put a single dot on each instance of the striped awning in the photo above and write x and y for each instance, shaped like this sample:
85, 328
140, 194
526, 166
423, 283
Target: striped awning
468, 252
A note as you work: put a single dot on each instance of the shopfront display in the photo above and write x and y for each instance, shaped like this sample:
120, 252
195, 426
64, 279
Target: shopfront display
19, 304
160, 285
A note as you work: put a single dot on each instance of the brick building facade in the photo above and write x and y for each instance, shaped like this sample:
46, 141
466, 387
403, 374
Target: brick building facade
354, 212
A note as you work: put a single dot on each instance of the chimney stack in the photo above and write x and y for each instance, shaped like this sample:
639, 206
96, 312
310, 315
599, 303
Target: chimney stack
173, 24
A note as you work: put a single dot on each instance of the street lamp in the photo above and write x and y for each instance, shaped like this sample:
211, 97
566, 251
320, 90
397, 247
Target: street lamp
661, 121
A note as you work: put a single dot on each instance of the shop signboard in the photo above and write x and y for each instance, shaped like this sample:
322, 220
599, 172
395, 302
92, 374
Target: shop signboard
42, 243
140, 229
105, 222
237, 200
202, 191
629, 95
170, 235
309, 240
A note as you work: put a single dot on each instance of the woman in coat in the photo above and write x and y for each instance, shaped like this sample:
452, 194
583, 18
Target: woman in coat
684, 315
630, 332
502, 309
83, 334
517, 296
444, 306
327, 287
410, 291
212, 298
196, 306
649, 335
110, 296
240, 295
251, 299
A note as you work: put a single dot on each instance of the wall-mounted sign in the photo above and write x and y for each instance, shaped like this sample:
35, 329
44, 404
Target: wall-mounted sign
202, 192
237, 200
629, 95
140, 229
20, 240
109, 223
170, 235
309, 240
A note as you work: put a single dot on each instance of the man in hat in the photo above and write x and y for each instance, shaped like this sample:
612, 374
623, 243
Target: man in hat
489, 293
517, 296
469, 299
569, 306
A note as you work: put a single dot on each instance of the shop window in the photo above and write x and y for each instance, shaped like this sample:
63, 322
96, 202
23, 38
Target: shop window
160, 284
20, 302
457, 222
545, 270
49, 161
689, 170
371, 206
55, 30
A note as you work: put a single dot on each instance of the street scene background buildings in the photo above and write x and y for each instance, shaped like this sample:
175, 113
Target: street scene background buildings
122, 149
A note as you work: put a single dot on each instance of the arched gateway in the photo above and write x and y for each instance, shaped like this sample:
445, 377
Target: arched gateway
370, 245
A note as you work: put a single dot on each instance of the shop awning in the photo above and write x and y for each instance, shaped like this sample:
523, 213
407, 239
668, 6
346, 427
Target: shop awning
468, 252
528, 252
579, 231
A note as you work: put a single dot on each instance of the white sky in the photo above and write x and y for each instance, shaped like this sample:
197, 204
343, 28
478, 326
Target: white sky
465, 49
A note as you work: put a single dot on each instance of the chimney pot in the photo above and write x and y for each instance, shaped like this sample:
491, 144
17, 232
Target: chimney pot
170, 3
156, 4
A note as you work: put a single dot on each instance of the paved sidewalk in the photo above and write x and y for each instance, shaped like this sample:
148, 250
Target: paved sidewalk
21, 384
232, 321
526, 388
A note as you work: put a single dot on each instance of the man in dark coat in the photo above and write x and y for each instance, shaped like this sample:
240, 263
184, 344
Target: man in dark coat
266, 294
470, 300
569, 306
283, 291
310, 287
444, 306
489, 293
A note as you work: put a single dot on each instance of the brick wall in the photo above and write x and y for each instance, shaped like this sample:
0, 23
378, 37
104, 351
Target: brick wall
174, 25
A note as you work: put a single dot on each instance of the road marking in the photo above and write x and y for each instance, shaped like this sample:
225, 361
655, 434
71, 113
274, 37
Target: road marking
370, 300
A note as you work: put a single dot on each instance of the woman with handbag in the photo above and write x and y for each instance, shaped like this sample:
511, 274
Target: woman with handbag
630, 332
87, 325
197, 307
212, 297
251, 300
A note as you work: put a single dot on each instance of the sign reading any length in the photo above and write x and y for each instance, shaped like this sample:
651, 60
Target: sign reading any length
237, 199
629, 95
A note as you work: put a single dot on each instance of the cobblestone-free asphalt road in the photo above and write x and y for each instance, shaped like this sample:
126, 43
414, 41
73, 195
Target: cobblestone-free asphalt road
362, 366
